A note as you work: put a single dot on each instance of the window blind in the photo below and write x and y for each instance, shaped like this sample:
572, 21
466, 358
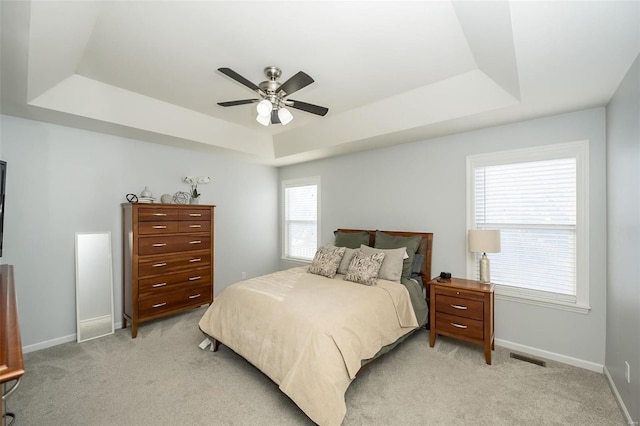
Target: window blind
533, 204
300, 221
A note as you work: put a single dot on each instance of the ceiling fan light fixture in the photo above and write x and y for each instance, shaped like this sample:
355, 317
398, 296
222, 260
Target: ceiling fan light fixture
264, 108
285, 116
264, 120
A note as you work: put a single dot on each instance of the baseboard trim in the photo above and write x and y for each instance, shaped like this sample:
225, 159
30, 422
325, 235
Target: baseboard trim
618, 398
49, 343
587, 365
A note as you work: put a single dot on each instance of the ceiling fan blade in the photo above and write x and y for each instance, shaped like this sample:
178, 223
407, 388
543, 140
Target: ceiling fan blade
295, 83
240, 102
240, 79
274, 117
303, 106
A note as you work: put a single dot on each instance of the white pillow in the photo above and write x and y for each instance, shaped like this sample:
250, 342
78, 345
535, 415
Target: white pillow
391, 269
346, 260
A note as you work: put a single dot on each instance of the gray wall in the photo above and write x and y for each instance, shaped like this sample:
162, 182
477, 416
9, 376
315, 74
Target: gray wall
623, 239
63, 180
422, 187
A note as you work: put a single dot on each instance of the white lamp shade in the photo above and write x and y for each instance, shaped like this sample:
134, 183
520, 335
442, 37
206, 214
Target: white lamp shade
484, 241
285, 116
263, 119
264, 108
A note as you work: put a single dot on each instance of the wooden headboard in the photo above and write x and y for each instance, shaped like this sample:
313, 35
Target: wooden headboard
426, 247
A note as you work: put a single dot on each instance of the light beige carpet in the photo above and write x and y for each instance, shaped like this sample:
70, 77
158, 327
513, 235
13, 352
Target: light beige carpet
163, 378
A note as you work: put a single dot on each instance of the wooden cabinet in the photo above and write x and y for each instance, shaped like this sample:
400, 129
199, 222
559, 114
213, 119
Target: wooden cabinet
462, 309
167, 260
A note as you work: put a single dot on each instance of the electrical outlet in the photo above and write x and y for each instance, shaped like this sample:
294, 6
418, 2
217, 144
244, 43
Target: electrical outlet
627, 372
244, 275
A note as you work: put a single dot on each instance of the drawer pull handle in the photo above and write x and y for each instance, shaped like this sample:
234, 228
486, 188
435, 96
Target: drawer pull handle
195, 226
160, 245
194, 296
458, 325
195, 242
159, 214
159, 305
195, 214
458, 307
159, 265
159, 227
159, 285
197, 259
195, 278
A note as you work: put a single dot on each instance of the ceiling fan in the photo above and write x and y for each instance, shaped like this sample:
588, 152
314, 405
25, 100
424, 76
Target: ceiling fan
271, 108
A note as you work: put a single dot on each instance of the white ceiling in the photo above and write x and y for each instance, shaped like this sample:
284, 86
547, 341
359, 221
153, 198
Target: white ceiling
390, 72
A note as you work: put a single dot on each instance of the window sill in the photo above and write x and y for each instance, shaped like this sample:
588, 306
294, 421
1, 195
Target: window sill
520, 296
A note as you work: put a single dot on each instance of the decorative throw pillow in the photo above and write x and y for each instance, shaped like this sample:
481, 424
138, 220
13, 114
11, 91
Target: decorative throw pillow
326, 261
392, 264
386, 241
351, 240
364, 269
346, 260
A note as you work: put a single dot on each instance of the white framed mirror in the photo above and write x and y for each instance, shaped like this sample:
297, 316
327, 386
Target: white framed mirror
94, 285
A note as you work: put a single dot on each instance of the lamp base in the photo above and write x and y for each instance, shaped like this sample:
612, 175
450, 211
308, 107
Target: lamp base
485, 270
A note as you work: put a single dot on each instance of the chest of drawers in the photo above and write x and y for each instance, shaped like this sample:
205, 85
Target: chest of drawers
462, 309
167, 260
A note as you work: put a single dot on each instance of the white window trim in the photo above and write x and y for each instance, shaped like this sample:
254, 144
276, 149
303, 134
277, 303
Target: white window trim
312, 180
579, 149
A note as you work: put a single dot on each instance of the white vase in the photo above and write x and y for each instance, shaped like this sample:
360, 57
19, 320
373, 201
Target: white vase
194, 200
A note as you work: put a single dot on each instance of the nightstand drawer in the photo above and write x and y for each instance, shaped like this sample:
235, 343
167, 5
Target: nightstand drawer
458, 326
457, 292
460, 307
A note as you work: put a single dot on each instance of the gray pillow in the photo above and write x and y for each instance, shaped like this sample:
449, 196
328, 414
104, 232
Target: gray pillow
351, 239
386, 241
326, 261
364, 269
346, 260
392, 264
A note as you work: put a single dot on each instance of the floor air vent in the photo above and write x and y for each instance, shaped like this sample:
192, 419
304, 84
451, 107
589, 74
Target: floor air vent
528, 359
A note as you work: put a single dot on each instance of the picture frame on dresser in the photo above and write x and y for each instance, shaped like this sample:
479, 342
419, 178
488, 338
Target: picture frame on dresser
168, 260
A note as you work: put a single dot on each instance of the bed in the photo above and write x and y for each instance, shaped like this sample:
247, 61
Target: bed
312, 332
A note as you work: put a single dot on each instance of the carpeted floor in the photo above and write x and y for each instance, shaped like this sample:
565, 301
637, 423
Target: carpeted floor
163, 378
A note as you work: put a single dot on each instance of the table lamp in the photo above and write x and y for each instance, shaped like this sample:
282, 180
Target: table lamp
484, 241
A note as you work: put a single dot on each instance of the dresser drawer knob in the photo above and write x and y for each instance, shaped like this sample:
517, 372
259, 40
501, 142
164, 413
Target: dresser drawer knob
160, 245
458, 307
197, 259
159, 214
195, 226
159, 265
458, 325
194, 296
159, 305
159, 227
195, 278
195, 242
159, 285
195, 214
457, 292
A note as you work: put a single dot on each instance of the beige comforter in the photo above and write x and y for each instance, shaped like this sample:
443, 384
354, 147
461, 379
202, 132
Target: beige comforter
309, 333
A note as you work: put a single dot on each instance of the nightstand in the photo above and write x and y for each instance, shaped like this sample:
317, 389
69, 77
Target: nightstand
462, 309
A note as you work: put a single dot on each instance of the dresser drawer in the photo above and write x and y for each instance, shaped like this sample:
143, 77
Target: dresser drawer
459, 326
174, 263
194, 226
456, 292
147, 214
153, 228
459, 306
195, 214
170, 301
163, 283
171, 244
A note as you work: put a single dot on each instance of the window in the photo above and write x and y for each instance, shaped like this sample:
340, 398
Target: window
301, 199
538, 199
